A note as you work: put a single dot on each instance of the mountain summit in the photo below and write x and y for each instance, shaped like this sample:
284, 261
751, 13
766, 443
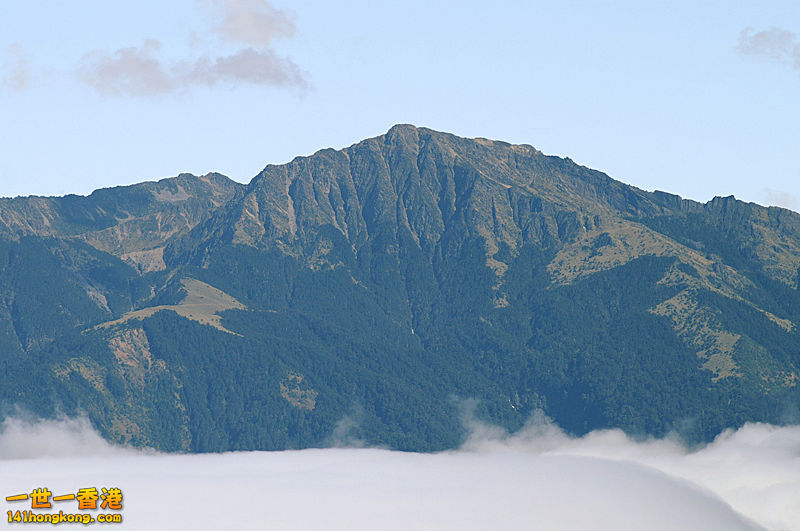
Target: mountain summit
362, 294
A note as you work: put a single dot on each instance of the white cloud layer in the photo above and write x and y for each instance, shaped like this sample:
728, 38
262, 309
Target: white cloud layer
536, 478
142, 70
63, 438
777, 44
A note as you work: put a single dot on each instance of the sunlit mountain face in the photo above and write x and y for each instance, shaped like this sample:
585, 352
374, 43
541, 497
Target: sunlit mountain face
363, 294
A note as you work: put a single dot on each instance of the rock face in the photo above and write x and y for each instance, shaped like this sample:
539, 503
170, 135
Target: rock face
130, 222
388, 280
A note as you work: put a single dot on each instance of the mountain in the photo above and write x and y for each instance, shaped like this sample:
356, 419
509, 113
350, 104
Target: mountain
368, 294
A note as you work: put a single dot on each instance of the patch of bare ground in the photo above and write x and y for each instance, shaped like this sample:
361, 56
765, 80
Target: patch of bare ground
202, 304
146, 261
294, 392
132, 350
701, 331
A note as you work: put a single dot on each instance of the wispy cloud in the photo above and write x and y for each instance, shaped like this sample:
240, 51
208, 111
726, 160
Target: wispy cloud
24, 437
15, 73
776, 44
140, 71
133, 71
781, 199
345, 434
143, 71
250, 22
260, 67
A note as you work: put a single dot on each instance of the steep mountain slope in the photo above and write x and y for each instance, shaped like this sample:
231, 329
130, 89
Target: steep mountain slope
362, 293
130, 222
57, 272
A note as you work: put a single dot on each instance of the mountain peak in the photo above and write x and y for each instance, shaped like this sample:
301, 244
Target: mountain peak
394, 274
404, 127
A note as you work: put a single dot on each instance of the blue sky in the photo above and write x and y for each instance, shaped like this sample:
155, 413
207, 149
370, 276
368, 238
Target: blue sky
695, 98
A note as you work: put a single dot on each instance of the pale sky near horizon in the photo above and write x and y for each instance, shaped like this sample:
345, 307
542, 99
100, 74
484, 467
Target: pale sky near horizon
695, 98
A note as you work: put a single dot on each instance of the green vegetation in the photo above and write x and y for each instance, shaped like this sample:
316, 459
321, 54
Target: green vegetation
360, 295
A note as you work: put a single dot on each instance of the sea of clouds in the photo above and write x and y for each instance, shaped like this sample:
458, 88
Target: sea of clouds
537, 478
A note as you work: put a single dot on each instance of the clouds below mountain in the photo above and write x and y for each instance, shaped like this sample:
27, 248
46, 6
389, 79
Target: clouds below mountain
538, 477
21, 438
756, 469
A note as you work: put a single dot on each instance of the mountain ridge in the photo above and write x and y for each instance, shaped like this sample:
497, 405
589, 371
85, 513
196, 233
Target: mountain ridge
378, 281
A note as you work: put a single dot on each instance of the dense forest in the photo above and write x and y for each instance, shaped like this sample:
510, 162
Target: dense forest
362, 296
